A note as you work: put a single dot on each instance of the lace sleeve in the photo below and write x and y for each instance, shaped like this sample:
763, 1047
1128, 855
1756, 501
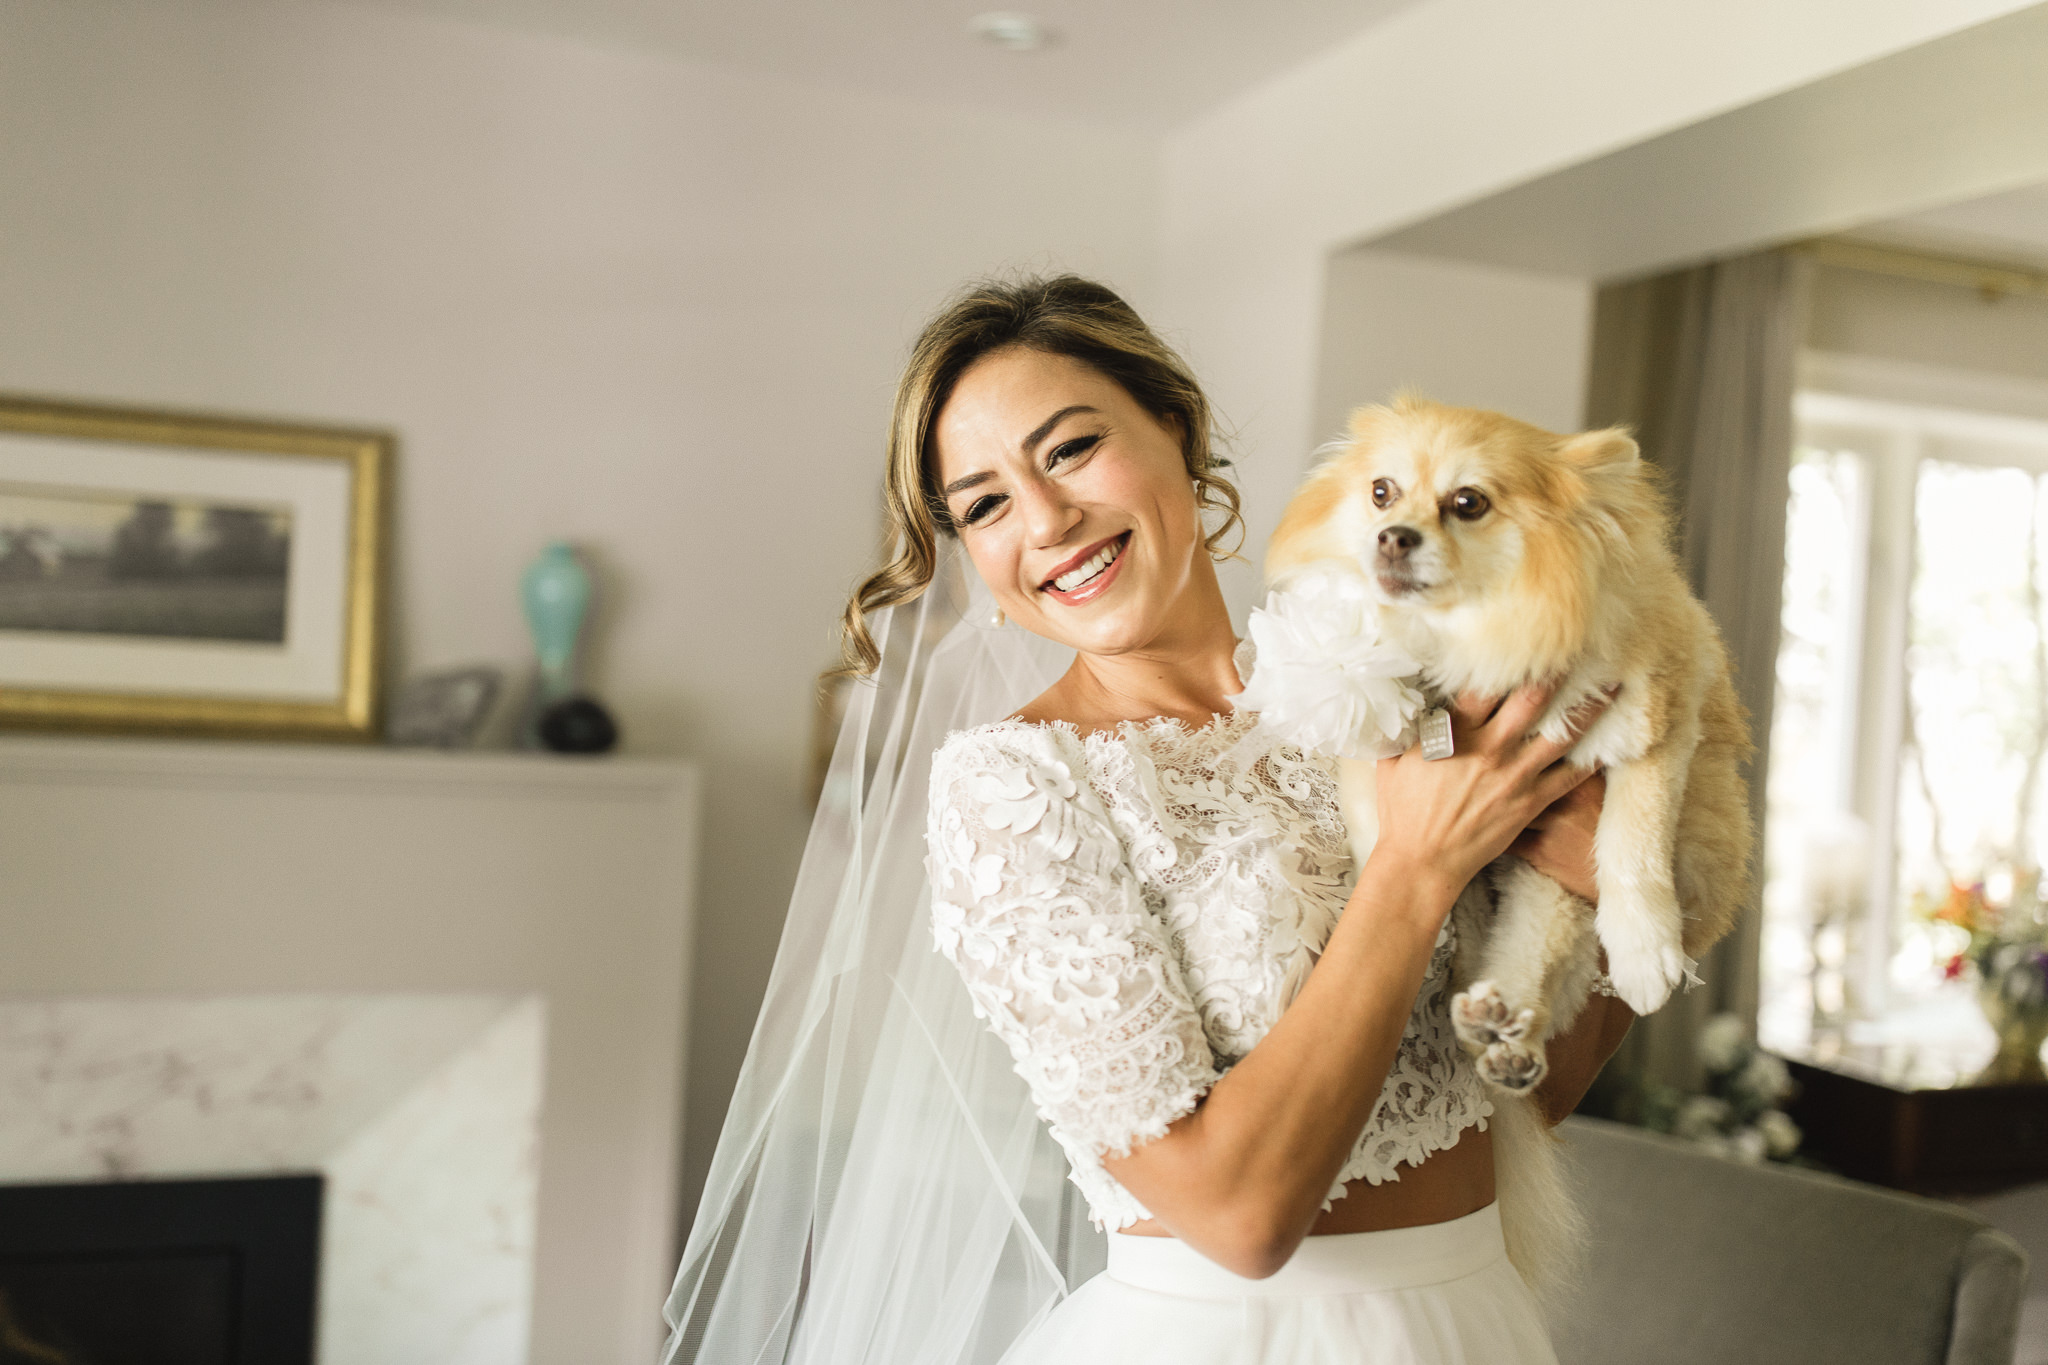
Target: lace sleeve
1034, 903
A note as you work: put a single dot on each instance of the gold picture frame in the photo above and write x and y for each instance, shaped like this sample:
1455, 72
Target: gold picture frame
303, 662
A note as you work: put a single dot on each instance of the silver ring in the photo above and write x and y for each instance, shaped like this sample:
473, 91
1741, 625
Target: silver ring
1434, 729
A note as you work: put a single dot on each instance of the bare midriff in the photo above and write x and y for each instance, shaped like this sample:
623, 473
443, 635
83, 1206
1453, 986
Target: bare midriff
1449, 1184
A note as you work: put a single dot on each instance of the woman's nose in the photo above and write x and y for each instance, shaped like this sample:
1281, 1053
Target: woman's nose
1048, 513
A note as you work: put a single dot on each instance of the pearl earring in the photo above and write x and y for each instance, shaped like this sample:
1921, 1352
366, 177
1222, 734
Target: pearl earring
997, 618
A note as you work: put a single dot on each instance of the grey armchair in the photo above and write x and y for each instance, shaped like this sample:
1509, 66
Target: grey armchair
1696, 1260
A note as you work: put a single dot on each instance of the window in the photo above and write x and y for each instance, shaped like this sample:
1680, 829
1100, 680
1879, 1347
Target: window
1911, 715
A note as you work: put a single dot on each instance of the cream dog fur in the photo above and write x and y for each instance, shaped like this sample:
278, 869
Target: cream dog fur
1497, 555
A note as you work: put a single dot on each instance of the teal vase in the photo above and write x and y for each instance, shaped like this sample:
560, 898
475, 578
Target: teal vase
556, 591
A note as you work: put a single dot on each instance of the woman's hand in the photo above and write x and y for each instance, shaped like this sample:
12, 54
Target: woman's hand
1559, 842
1453, 816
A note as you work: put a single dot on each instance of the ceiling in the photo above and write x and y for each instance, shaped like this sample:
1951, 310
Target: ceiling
1955, 122
1143, 64
2011, 227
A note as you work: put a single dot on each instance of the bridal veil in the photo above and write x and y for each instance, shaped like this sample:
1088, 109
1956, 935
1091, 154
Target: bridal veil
883, 1192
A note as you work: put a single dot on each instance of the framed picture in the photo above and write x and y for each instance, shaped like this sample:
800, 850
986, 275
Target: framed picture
178, 573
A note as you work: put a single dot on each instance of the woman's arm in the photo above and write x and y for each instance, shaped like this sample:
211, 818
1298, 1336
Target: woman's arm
1242, 1178
1577, 1054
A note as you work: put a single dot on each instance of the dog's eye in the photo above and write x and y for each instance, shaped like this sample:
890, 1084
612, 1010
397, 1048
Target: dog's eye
1384, 492
1469, 504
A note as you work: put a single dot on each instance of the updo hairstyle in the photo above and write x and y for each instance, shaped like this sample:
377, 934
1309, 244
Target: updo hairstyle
1061, 315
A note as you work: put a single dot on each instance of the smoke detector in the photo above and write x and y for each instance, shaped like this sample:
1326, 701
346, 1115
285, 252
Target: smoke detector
1011, 29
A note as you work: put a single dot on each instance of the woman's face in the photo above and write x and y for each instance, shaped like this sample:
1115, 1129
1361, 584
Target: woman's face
1073, 502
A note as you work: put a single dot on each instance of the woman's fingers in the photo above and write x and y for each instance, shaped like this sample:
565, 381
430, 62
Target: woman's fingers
1578, 808
1471, 710
1519, 713
1560, 842
1544, 752
1558, 781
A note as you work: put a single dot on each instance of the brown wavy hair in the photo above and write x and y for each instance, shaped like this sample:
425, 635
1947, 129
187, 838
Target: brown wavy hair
1059, 315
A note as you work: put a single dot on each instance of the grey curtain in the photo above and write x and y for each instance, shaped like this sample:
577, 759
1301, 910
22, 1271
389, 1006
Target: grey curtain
1700, 362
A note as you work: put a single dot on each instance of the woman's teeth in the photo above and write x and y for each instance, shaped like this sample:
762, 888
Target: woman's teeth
1074, 578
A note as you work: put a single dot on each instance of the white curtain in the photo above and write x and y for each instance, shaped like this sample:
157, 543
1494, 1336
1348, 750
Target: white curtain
1700, 362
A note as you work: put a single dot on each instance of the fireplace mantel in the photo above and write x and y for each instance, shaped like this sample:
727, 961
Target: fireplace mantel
199, 872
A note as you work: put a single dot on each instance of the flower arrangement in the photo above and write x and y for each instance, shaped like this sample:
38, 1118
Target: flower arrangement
1739, 1114
2005, 949
2007, 943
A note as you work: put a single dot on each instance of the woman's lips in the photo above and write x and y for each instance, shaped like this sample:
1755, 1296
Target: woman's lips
1096, 586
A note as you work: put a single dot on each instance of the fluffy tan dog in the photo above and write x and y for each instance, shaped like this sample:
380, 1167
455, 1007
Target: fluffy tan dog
1497, 555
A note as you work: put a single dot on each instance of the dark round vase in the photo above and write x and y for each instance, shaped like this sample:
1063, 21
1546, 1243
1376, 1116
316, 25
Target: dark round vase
578, 725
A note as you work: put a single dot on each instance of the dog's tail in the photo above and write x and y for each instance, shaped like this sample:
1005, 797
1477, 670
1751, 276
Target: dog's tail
1539, 1207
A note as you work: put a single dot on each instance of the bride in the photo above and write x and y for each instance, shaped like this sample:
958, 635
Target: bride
1157, 966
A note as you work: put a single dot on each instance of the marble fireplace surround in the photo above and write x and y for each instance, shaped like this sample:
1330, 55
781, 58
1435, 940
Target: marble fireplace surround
422, 1111
191, 928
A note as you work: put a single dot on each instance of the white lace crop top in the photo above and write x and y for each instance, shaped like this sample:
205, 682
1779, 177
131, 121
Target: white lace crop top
1132, 912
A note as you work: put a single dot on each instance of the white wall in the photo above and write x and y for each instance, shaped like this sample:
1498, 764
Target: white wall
1445, 103
1477, 336
650, 306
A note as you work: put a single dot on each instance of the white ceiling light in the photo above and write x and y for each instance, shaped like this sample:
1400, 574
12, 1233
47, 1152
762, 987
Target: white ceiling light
1010, 29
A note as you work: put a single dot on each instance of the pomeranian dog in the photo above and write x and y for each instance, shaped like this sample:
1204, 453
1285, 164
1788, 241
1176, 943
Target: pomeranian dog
1496, 555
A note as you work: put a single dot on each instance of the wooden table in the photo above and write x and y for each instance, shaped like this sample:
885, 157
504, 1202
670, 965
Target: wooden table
1891, 1118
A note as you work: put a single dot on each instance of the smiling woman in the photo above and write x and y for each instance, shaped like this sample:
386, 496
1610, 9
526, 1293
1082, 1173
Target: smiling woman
1065, 326
1087, 530
1234, 1039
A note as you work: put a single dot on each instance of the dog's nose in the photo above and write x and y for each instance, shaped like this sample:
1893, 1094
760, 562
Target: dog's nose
1397, 541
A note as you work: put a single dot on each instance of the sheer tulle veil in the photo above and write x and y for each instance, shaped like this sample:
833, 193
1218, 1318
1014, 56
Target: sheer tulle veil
883, 1190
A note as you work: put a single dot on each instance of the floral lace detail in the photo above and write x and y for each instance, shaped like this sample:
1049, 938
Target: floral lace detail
1133, 911
1033, 902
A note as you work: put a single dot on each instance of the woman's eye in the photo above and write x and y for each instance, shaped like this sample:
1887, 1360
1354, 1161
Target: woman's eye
1469, 504
1384, 492
979, 509
1067, 450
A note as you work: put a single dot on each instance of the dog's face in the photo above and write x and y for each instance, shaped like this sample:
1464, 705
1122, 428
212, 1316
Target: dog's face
1443, 509
1431, 528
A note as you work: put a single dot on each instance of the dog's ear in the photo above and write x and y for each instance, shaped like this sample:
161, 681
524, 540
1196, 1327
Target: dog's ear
1603, 449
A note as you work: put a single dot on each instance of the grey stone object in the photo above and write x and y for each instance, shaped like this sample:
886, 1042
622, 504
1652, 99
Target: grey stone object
443, 710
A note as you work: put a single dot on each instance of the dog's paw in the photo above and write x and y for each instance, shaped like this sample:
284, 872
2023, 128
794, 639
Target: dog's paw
1482, 1017
1645, 974
1513, 1066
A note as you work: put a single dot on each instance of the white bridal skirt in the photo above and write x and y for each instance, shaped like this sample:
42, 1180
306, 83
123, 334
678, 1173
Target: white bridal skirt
1438, 1295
